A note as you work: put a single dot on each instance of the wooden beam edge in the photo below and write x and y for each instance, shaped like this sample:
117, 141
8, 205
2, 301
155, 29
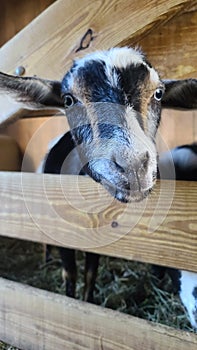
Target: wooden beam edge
34, 319
160, 21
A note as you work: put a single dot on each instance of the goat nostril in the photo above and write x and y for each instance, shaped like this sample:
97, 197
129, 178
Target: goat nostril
145, 160
125, 165
120, 168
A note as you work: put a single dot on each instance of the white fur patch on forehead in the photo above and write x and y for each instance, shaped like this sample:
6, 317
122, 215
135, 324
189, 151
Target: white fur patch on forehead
117, 57
123, 57
120, 57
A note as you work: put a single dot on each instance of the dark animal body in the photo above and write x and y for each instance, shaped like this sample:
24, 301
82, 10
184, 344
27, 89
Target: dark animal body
180, 163
112, 100
56, 162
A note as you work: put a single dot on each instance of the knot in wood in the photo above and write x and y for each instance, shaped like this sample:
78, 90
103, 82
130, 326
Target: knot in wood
114, 224
86, 40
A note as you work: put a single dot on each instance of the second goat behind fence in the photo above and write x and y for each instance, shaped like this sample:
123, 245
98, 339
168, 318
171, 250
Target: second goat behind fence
181, 164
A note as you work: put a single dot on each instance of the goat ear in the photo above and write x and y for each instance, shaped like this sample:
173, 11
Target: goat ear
32, 92
180, 94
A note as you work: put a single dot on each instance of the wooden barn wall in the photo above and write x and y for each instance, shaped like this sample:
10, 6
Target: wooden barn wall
172, 49
16, 14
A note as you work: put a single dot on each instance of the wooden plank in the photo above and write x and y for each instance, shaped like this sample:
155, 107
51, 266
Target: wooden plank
10, 155
77, 212
15, 16
35, 319
173, 127
172, 47
68, 29
59, 30
30, 132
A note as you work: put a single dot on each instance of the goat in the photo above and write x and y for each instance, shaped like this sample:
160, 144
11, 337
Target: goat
181, 162
112, 100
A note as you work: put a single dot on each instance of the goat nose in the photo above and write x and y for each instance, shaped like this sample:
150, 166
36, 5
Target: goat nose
138, 163
141, 165
143, 161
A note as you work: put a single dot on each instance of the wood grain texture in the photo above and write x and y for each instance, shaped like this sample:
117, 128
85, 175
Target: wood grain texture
10, 155
35, 319
16, 15
176, 128
171, 48
30, 132
76, 212
47, 45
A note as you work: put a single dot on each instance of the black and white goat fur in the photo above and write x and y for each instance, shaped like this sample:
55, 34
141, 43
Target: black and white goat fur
112, 100
182, 160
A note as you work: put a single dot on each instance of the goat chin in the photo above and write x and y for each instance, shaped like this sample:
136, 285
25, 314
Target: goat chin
129, 193
126, 196
123, 194
122, 186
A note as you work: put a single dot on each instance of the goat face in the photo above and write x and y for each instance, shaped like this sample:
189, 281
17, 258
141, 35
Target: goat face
112, 100
113, 106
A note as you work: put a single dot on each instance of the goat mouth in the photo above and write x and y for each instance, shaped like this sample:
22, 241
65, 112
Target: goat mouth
124, 193
129, 196
115, 181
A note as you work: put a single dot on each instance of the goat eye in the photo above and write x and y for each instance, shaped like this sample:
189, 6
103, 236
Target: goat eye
158, 94
68, 101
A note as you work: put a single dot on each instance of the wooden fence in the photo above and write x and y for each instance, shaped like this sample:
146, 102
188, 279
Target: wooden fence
162, 230
76, 212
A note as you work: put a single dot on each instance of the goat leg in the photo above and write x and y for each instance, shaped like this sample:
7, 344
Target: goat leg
69, 270
91, 268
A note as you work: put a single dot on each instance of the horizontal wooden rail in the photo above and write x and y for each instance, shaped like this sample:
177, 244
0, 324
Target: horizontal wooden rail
74, 211
35, 319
